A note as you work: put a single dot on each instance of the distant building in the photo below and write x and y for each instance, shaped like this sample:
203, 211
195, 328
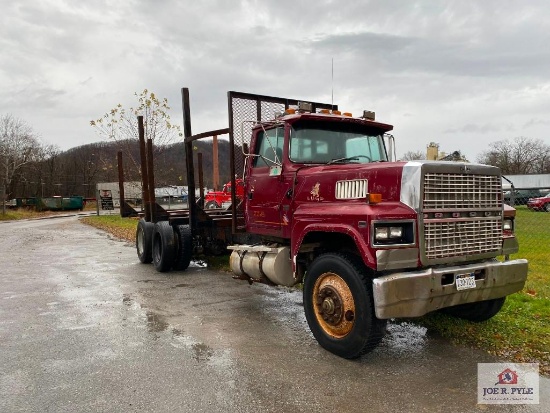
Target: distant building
132, 190
433, 154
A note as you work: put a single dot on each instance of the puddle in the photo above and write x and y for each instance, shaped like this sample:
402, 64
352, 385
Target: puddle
155, 322
176, 332
202, 352
151, 281
126, 299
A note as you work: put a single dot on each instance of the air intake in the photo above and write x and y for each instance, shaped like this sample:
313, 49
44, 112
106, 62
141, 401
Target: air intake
353, 189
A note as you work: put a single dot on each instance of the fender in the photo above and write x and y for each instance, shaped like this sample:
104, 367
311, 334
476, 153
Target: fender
304, 228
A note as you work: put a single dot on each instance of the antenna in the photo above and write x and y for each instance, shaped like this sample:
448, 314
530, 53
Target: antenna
332, 85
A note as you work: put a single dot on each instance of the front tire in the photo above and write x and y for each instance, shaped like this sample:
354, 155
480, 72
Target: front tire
339, 306
476, 312
144, 241
164, 246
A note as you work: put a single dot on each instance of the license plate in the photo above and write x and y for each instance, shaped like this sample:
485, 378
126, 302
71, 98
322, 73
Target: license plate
465, 281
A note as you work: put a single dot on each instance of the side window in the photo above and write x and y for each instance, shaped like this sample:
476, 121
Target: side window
269, 147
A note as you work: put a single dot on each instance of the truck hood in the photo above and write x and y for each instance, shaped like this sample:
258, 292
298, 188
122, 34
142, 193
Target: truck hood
326, 183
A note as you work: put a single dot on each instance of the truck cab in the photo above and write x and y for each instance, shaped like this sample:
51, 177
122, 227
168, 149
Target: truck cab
369, 238
296, 159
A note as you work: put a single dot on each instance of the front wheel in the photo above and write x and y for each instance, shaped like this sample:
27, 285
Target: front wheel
477, 312
547, 207
339, 306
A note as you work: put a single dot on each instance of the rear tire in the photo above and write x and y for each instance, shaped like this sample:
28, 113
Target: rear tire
477, 312
184, 247
339, 306
164, 246
144, 241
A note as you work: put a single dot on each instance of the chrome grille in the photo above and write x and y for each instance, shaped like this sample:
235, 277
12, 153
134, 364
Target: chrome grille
352, 189
459, 238
446, 191
461, 215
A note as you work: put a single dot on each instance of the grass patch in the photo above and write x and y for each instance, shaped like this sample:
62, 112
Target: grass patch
520, 332
123, 228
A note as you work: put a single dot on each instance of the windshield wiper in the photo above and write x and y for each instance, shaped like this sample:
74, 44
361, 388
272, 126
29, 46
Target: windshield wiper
349, 159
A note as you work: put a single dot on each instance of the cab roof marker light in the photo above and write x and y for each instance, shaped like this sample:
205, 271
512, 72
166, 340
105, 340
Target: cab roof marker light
369, 115
348, 114
336, 112
290, 111
305, 106
325, 111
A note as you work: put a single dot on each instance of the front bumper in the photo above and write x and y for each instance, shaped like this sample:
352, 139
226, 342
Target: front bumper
413, 294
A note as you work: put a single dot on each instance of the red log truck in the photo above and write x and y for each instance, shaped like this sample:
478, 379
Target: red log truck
370, 239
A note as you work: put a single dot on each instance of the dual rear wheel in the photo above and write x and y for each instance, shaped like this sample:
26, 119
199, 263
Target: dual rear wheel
165, 246
144, 241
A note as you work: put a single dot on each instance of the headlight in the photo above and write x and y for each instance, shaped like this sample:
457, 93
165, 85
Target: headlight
387, 233
508, 225
393, 233
396, 232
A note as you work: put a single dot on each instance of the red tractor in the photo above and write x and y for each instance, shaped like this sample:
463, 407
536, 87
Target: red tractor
222, 199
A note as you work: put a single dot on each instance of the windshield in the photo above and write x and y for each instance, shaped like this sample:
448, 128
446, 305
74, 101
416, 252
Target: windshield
335, 142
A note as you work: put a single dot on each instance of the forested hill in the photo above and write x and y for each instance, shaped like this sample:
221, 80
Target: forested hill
77, 170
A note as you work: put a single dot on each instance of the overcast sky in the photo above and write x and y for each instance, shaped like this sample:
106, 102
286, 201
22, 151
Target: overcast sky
459, 73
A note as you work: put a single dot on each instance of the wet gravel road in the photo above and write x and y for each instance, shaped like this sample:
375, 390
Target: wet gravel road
85, 328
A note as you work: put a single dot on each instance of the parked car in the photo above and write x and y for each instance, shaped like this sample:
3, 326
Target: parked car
521, 196
540, 204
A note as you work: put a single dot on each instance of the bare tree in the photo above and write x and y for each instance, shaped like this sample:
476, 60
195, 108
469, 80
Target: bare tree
121, 125
19, 146
413, 156
519, 156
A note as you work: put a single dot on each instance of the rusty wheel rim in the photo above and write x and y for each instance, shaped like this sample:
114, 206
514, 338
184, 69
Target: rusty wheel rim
333, 305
